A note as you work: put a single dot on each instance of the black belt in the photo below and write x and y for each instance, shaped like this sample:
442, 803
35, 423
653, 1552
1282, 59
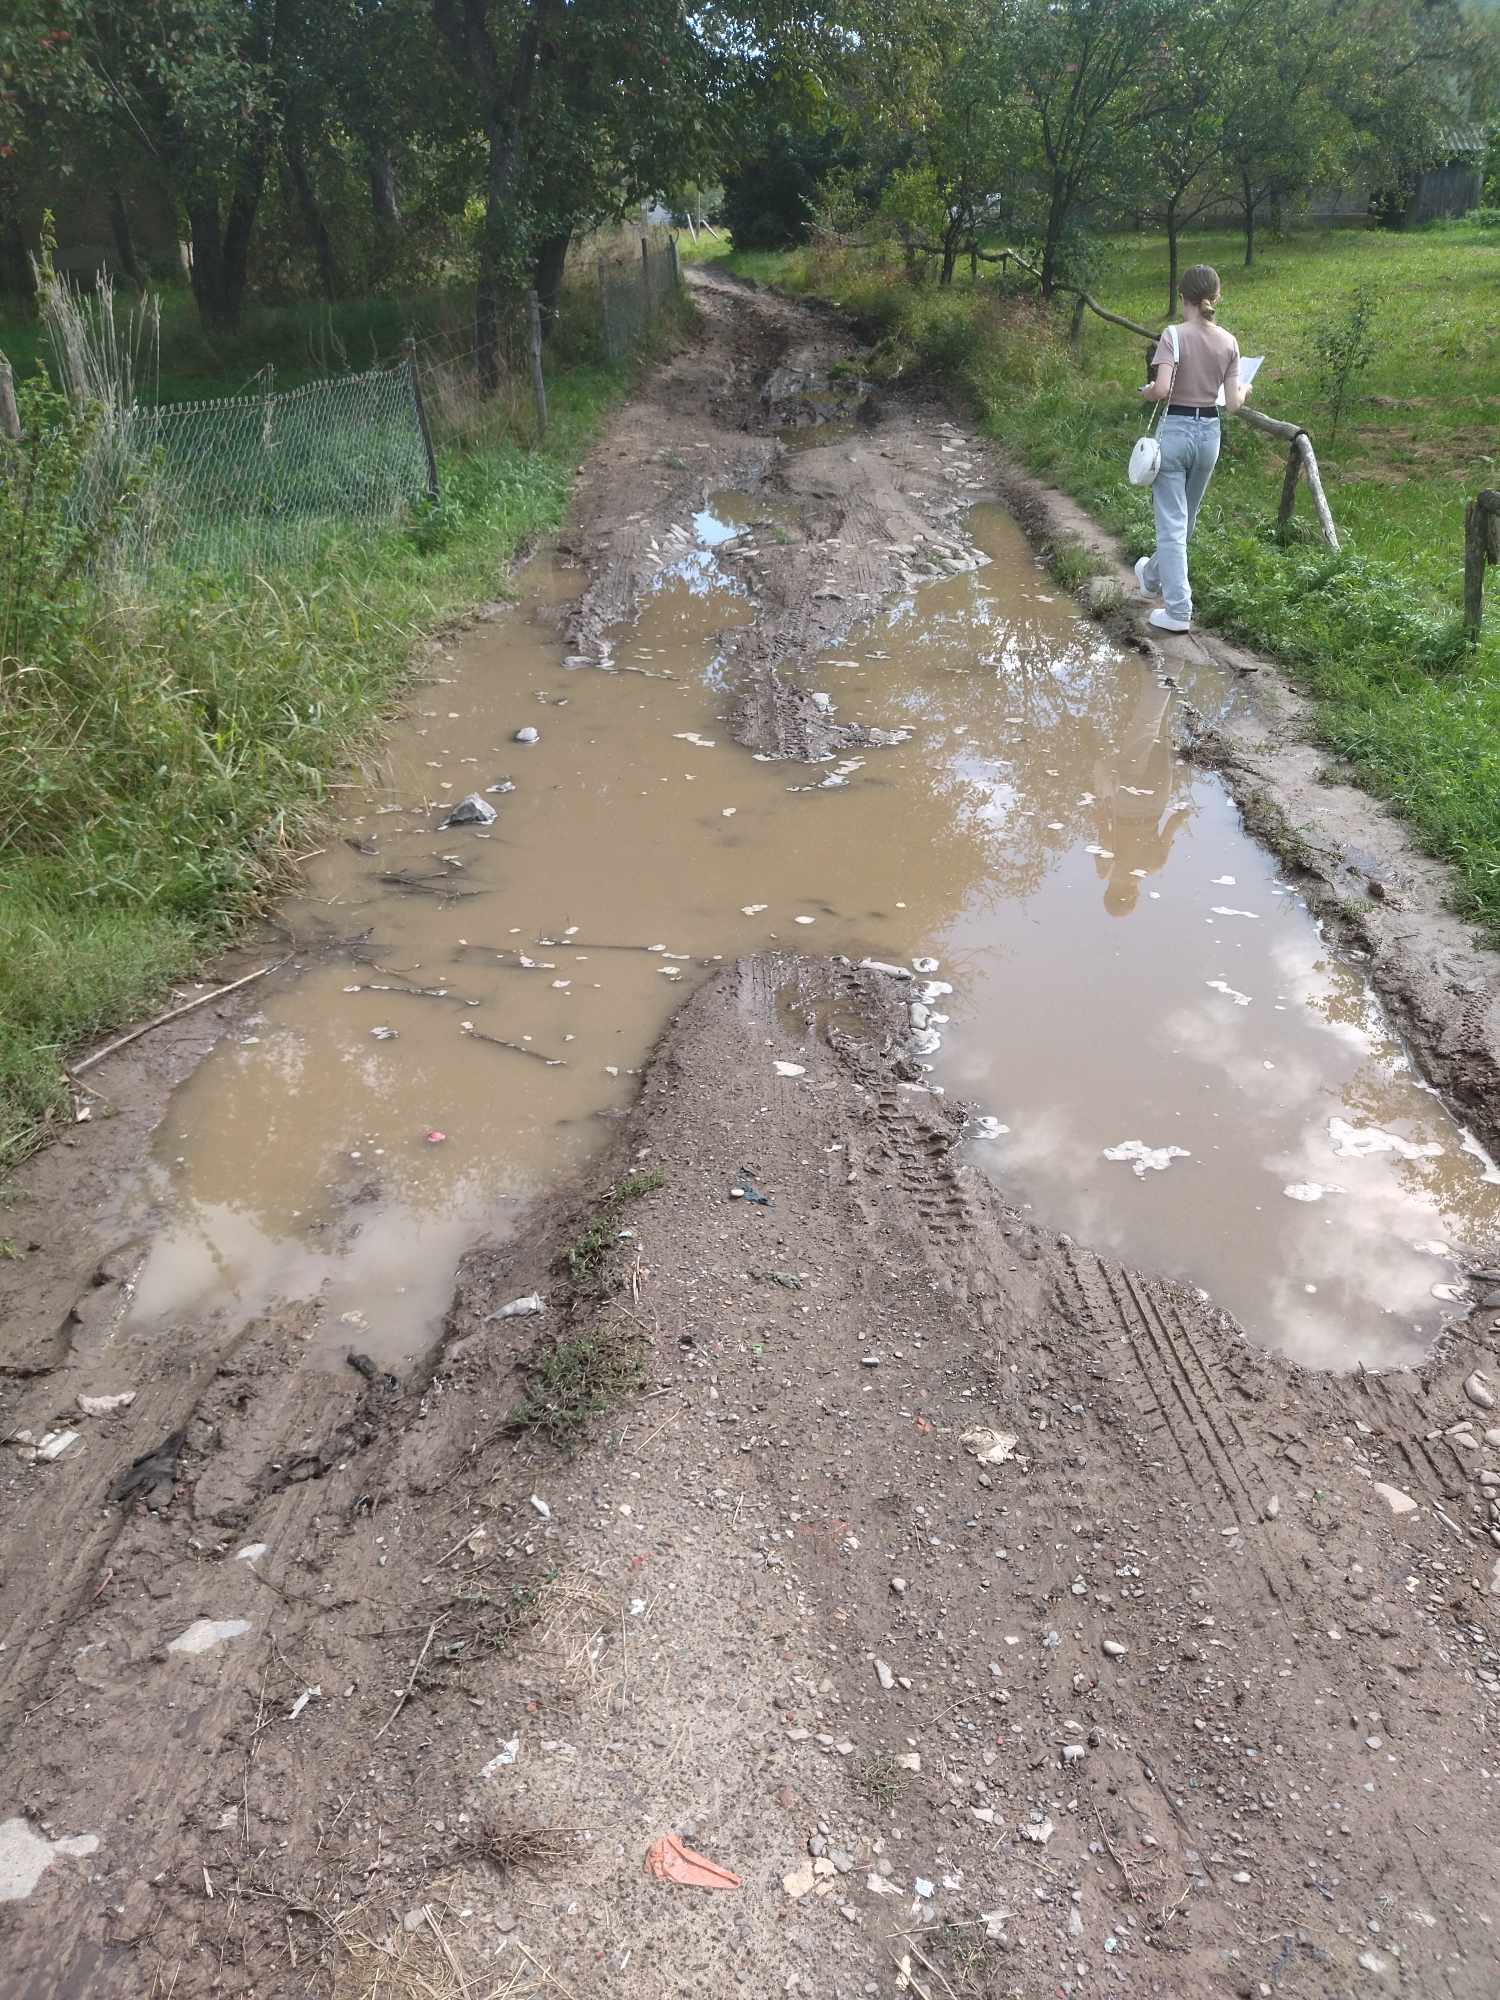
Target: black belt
1192, 409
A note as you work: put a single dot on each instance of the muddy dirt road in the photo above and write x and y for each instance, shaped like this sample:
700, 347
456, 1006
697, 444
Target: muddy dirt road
882, 1501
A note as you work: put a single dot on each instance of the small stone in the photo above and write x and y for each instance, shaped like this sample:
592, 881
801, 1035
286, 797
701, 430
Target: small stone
1479, 1392
911, 1761
1074, 1753
799, 1881
1115, 1650
528, 735
884, 1675
899, 1585
1395, 1499
1041, 1831
541, 1506
1373, 1962
1273, 1507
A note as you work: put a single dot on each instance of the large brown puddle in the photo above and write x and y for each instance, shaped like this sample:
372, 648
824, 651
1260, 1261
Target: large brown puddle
1174, 1064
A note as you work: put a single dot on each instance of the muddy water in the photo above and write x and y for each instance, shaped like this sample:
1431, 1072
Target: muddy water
1178, 1067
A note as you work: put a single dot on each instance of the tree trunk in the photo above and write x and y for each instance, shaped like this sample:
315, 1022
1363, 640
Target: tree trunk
203, 233
125, 253
547, 271
313, 220
950, 257
1249, 214
221, 255
385, 196
1171, 260
1057, 217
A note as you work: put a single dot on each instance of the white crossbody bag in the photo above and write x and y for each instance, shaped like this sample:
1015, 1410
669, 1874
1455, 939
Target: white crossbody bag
1145, 458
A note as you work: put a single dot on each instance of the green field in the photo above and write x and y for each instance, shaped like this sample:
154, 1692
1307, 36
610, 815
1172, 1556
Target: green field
1372, 634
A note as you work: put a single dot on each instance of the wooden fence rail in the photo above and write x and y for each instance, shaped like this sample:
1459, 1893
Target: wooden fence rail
1301, 458
1481, 550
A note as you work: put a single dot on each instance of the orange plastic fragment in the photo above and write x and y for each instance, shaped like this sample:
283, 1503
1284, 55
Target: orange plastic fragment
669, 1861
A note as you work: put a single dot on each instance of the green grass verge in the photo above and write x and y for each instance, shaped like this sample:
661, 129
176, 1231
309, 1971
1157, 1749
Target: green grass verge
1371, 634
162, 771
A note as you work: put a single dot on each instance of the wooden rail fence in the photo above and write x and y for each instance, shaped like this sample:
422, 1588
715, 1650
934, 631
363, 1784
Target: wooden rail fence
1481, 551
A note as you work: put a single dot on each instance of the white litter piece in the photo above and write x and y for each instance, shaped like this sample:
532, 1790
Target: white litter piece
383, 1035
307, 1695
1450, 1294
561, 985
1148, 1159
527, 735
804, 920
1224, 882
1041, 1831
925, 1889
206, 1633
1362, 1143
789, 1069
1104, 853
990, 1128
728, 812
925, 964
522, 1308
508, 1754
26, 1855
1433, 1248
753, 909
892, 971
252, 1552
990, 1447
1223, 986
55, 1443
698, 742
541, 1506
1311, 1190
100, 1406
1222, 910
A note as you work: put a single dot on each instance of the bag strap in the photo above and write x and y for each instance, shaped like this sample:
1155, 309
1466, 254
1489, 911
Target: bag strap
1168, 333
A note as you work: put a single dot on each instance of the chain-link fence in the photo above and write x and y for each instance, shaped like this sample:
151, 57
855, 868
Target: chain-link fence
255, 482
631, 292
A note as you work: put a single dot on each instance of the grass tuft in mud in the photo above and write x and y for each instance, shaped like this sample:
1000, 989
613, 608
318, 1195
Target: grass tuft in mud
574, 1379
584, 1260
508, 1844
877, 1777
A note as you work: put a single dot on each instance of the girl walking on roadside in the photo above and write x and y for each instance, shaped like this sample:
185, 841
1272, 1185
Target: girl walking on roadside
1208, 360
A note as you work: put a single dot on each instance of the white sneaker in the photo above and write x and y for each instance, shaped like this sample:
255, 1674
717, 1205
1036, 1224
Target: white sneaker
1140, 579
1165, 622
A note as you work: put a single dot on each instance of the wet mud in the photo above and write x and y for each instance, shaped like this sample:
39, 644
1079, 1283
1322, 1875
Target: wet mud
865, 1035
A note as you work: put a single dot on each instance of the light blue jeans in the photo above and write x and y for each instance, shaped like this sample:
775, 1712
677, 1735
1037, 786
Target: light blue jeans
1189, 453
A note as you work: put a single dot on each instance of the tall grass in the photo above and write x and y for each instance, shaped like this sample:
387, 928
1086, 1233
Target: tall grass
167, 746
1372, 634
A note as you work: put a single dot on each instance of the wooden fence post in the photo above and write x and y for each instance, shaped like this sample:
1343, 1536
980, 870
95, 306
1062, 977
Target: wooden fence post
1288, 490
10, 416
409, 350
1481, 549
538, 381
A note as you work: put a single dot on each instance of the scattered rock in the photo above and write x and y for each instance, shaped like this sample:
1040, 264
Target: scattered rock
206, 1633
884, 1675
1479, 1392
475, 810
1273, 1507
1114, 1649
100, 1406
799, 1882
1395, 1499
527, 735
899, 1585
990, 1447
1039, 1830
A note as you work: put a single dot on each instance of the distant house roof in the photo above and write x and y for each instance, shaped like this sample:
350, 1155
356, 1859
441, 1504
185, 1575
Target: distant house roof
1469, 137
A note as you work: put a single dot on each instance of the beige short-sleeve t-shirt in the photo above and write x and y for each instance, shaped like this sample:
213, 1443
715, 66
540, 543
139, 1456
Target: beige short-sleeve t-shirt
1208, 359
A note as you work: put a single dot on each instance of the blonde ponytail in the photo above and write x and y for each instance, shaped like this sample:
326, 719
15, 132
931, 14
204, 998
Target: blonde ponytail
1200, 287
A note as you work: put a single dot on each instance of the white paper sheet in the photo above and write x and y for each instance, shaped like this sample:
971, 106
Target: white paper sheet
1249, 369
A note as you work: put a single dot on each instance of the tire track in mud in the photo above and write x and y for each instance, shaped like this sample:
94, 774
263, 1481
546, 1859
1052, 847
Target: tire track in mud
722, 1564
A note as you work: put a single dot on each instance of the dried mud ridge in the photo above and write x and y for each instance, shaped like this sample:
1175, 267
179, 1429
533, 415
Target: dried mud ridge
997, 1615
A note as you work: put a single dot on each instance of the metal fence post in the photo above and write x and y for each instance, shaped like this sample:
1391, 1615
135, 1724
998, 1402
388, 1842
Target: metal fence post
676, 264
10, 416
538, 381
409, 351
